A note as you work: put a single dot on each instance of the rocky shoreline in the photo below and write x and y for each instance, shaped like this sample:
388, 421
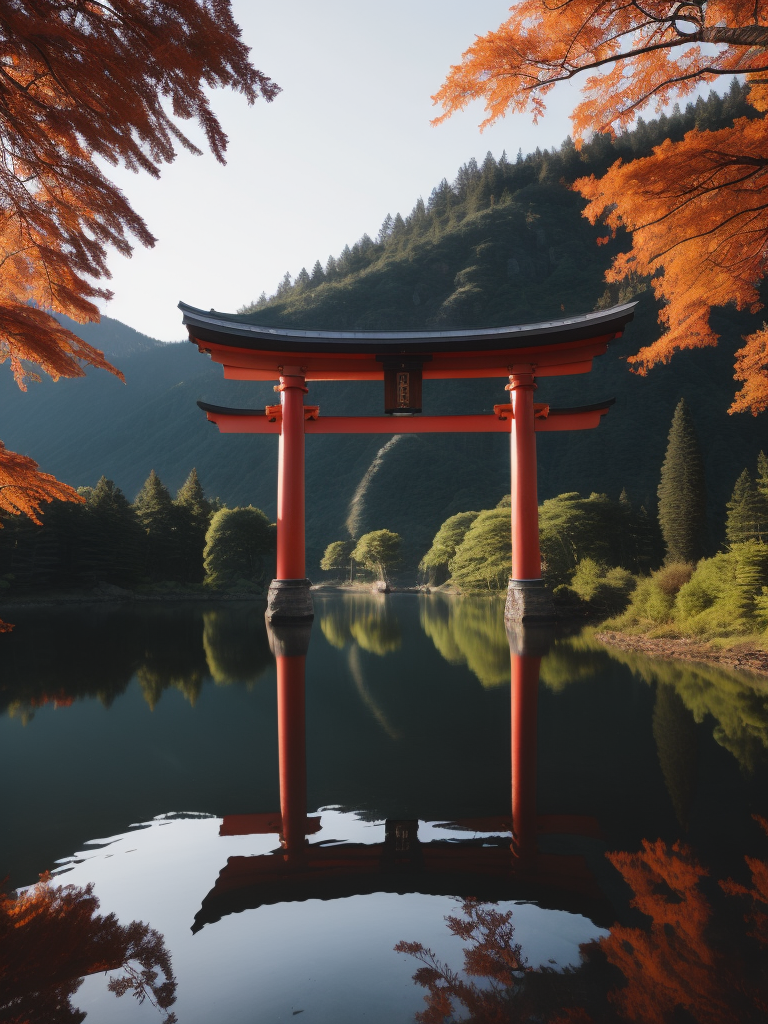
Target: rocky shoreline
744, 656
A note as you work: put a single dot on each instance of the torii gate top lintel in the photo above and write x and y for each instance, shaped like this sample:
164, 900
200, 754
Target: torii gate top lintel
251, 351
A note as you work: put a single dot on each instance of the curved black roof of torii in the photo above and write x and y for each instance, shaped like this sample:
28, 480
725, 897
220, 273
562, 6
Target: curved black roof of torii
242, 331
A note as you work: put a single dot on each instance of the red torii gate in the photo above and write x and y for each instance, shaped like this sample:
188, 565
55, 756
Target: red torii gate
249, 351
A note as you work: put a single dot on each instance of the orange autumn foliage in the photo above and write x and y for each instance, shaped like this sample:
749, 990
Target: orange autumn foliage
689, 960
83, 84
695, 208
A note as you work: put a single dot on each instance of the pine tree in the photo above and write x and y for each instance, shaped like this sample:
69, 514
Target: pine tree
158, 517
682, 491
117, 540
386, 229
194, 518
743, 520
318, 275
285, 285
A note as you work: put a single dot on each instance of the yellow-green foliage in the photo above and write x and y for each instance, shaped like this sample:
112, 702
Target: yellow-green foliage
723, 597
605, 589
572, 659
448, 538
235, 644
469, 631
653, 599
365, 619
737, 701
483, 560
719, 599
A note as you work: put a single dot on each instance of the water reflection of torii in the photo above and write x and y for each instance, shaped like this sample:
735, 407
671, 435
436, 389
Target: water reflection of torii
484, 868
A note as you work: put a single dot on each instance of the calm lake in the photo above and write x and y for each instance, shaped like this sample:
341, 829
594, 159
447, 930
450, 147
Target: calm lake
561, 832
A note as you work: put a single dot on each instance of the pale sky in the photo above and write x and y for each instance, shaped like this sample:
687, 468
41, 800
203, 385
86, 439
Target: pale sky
346, 142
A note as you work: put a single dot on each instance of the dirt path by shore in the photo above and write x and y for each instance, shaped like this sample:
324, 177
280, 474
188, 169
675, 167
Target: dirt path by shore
744, 656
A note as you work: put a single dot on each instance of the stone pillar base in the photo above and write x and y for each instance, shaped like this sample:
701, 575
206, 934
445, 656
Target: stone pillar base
289, 601
528, 601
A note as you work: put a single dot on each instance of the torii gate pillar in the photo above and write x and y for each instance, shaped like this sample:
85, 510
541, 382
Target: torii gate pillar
527, 597
289, 598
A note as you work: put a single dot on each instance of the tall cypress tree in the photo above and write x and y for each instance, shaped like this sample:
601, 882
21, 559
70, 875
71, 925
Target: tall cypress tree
683, 491
194, 516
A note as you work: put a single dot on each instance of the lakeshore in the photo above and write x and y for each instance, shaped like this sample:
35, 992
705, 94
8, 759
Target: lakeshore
744, 656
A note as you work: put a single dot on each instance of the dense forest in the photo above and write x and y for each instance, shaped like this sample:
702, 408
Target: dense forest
155, 544
504, 242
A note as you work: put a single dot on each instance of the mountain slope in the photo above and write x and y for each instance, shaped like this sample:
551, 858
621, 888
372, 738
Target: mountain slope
511, 247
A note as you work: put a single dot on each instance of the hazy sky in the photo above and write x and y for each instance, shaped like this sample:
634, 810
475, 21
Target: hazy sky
346, 142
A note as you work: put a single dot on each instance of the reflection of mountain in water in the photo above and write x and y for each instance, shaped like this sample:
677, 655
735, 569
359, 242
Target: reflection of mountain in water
469, 631
366, 619
96, 652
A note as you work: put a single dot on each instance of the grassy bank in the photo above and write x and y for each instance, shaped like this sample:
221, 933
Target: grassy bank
721, 602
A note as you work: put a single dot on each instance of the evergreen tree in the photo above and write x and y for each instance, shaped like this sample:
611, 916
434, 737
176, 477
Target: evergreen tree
285, 286
761, 485
117, 538
194, 516
318, 274
674, 730
683, 491
162, 559
385, 230
743, 519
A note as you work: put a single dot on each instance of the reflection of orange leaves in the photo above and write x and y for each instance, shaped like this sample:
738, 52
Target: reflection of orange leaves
59, 700
491, 953
666, 885
669, 963
51, 937
757, 915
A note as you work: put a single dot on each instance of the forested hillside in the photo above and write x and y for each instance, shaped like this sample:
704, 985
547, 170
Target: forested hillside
504, 243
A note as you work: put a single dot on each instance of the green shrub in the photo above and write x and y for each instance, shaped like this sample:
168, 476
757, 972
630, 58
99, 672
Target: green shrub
603, 588
724, 595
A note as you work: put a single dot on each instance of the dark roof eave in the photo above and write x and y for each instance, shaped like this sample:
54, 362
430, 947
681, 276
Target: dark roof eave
223, 329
